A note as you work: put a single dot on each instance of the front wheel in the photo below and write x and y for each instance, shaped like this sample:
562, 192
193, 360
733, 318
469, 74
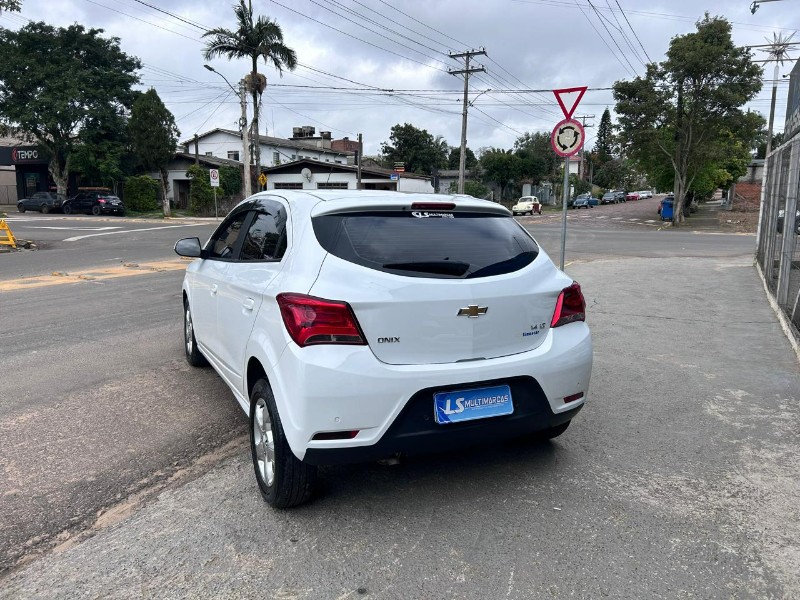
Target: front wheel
44, 209
67, 209
284, 481
193, 355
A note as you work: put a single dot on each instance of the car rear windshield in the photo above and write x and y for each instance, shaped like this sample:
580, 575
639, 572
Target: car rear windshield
441, 245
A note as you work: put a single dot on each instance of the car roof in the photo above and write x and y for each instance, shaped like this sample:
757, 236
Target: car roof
324, 201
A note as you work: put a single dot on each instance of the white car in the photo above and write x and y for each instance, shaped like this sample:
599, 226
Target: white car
359, 325
527, 205
645, 194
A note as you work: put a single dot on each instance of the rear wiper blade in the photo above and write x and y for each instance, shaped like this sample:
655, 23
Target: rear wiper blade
439, 267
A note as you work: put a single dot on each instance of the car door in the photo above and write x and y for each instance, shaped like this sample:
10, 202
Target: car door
240, 295
206, 279
79, 202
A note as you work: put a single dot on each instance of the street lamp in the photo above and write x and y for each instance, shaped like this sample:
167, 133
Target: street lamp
243, 127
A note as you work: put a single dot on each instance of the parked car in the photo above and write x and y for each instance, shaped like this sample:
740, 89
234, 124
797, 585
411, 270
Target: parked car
609, 198
584, 201
781, 218
620, 194
644, 194
96, 202
527, 204
331, 371
44, 202
631, 196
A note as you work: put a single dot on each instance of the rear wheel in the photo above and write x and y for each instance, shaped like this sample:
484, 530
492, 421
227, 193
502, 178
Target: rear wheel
284, 481
95, 210
193, 355
67, 209
44, 209
21, 207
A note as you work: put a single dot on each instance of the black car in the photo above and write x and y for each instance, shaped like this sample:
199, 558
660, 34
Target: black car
44, 202
94, 202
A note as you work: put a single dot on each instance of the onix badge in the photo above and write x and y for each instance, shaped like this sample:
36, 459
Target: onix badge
473, 311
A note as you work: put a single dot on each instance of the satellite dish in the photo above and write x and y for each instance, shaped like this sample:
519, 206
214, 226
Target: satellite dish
306, 172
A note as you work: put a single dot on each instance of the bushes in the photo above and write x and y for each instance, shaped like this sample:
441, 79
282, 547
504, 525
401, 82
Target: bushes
141, 193
201, 196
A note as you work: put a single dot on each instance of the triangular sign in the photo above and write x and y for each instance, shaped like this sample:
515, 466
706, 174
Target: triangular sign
573, 97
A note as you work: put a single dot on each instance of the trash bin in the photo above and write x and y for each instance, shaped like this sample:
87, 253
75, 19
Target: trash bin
666, 209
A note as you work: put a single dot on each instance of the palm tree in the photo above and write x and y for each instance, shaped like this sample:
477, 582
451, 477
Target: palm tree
252, 39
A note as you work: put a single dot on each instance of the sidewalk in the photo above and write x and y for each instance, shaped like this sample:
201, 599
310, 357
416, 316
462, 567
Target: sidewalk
679, 479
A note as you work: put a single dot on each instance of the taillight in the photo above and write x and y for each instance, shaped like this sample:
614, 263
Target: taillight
311, 320
570, 306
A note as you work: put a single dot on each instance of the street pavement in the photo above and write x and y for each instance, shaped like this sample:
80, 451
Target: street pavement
677, 480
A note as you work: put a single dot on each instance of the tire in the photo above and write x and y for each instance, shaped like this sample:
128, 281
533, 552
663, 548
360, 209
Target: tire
67, 209
21, 207
44, 209
96, 210
193, 355
283, 480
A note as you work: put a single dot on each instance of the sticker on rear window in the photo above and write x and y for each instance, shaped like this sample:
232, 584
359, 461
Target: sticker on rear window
427, 215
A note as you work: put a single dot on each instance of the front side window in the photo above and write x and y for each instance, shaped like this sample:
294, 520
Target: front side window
440, 245
223, 243
266, 236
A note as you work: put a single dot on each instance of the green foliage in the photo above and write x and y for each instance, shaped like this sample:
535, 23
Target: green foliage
471, 188
686, 111
580, 186
604, 144
612, 175
230, 180
253, 38
55, 83
501, 167
417, 148
141, 193
153, 132
538, 161
10, 5
201, 196
453, 161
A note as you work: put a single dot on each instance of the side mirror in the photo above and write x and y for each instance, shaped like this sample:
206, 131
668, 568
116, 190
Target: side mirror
189, 247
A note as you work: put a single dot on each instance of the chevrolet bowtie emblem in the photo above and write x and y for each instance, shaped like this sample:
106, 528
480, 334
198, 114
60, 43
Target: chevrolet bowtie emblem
473, 311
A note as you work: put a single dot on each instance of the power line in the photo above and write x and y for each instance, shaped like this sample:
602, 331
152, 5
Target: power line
649, 60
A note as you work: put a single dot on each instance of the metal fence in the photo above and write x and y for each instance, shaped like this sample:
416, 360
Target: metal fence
778, 251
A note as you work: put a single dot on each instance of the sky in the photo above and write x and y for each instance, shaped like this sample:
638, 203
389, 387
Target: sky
367, 65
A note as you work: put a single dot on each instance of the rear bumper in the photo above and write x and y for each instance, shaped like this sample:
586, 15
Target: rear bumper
415, 431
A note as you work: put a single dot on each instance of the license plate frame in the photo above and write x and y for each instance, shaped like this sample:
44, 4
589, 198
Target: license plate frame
459, 406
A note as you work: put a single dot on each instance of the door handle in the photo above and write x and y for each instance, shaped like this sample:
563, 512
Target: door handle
249, 303
213, 289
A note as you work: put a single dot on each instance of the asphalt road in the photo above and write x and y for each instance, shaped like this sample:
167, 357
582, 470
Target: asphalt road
671, 483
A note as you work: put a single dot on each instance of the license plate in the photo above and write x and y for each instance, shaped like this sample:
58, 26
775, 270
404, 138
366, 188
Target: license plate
467, 405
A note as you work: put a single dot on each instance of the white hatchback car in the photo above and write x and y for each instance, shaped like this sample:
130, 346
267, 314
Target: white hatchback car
358, 325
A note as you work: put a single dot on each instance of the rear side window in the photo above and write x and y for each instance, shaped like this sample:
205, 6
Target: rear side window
435, 245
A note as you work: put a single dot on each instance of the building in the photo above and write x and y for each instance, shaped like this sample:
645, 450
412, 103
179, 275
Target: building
308, 174
227, 144
24, 171
178, 192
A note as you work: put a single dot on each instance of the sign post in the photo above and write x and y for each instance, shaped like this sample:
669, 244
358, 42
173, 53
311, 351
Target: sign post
213, 175
567, 139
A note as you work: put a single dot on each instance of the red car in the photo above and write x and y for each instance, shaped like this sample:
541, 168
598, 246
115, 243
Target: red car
632, 196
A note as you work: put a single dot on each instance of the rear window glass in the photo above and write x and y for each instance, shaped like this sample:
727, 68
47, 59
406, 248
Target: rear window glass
428, 244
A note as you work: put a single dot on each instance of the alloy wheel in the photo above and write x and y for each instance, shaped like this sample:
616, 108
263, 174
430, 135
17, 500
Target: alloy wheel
264, 442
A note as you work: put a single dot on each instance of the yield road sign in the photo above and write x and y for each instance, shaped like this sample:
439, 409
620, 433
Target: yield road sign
568, 93
567, 137
213, 175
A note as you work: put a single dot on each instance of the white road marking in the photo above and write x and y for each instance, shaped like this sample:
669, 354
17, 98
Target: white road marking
77, 228
81, 237
633, 219
650, 221
616, 218
603, 217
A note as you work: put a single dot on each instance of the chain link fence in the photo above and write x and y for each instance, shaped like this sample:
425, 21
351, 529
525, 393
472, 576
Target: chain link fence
778, 250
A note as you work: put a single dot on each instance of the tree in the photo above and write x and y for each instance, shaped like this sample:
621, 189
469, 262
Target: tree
10, 5
604, 145
154, 136
416, 148
253, 39
501, 167
686, 110
471, 188
102, 155
55, 82
538, 160
613, 174
453, 160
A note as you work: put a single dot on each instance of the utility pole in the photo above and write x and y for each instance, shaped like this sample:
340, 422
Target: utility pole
358, 164
466, 71
248, 189
581, 169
